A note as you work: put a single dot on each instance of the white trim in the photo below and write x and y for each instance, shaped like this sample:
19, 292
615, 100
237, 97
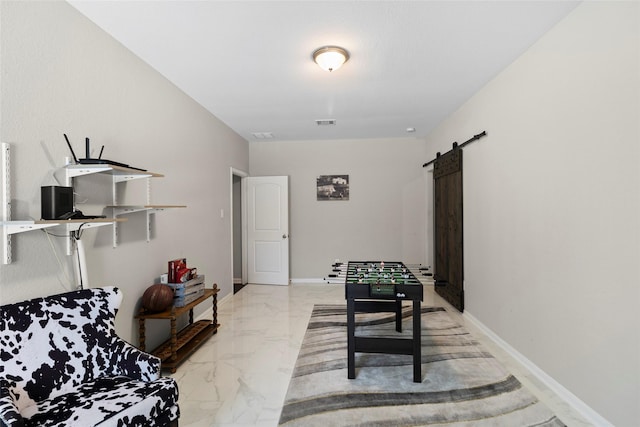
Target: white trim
570, 398
208, 313
314, 280
242, 174
223, 300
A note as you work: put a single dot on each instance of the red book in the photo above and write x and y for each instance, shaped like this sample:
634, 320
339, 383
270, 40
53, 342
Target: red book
173, 267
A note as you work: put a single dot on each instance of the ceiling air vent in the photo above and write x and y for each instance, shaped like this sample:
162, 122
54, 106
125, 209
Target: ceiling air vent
326, 122
262, 135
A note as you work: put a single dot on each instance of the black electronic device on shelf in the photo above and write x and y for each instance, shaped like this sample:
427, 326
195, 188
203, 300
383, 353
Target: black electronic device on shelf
99, 161
57, 203
77, 214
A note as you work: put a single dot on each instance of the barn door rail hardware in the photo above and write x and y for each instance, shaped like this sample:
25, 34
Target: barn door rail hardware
456, 145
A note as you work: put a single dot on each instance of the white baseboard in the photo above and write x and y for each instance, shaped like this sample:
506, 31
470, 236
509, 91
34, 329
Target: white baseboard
314, 280
224, 300
208, 313
571, 399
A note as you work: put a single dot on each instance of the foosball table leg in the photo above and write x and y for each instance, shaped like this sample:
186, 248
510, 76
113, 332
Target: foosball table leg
398, 316
417, 342
351, 339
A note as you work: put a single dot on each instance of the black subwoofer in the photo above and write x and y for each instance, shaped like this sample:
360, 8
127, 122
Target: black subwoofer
56, 201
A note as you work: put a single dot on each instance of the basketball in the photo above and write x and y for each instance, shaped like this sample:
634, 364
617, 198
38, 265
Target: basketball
157, 297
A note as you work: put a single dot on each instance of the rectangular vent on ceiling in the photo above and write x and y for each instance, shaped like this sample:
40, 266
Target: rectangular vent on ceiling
262, 135
326, 122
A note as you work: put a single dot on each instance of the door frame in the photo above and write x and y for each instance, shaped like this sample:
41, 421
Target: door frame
243, 222
243, 218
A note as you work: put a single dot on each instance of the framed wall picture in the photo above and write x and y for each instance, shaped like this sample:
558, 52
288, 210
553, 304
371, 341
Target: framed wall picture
332, 187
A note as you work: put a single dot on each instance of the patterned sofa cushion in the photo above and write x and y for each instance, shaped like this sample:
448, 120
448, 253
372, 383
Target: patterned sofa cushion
63, 364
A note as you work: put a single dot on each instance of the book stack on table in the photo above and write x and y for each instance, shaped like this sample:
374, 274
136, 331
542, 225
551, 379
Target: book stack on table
187, 285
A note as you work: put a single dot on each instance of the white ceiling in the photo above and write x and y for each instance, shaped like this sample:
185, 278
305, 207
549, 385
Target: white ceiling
249, 62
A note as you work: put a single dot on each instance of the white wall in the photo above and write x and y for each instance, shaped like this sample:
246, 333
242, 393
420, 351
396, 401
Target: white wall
552, 205
62, 74
383, 218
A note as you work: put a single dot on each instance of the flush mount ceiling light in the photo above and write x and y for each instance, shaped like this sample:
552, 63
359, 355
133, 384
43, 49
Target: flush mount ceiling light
326, 122
330, 58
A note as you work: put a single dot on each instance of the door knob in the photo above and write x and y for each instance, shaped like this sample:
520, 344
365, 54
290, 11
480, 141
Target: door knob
284, 236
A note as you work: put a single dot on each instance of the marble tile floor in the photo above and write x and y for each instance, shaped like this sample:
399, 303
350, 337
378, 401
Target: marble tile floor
239, 377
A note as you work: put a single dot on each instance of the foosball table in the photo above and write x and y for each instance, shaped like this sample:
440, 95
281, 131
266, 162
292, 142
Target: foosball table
380, 286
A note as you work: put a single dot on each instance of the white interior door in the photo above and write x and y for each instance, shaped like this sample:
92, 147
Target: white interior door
268, 229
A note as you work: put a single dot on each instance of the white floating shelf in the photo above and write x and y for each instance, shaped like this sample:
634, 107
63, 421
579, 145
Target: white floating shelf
120, 210
14, 227
128, 209
119, 173
76, 224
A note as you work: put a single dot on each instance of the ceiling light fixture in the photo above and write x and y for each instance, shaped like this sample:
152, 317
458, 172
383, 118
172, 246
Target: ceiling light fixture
325, 122
330, 58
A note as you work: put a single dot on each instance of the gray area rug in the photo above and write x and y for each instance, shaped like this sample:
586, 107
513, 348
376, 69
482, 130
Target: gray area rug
463, 385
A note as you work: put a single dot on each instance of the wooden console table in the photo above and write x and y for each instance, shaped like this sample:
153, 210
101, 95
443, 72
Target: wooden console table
184, 342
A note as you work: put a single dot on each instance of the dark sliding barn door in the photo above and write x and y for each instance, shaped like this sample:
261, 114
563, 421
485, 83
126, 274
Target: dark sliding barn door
448, 272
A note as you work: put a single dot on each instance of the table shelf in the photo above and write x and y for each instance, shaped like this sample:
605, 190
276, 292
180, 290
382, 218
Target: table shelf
181, 344
188, 339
